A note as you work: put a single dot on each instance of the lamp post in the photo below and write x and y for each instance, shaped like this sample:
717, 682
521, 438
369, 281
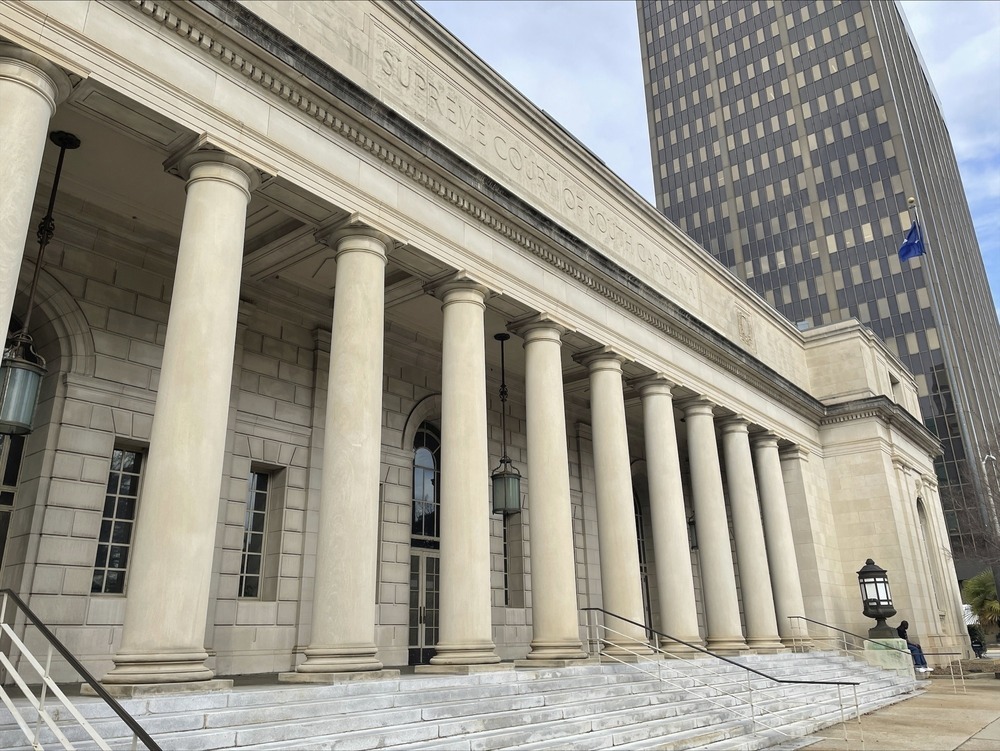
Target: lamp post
877, 599
505, 478
22, 368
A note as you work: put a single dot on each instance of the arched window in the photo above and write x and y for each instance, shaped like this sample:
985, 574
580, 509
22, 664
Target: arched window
426, 518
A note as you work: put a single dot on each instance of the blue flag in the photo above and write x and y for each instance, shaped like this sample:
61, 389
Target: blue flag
913, 245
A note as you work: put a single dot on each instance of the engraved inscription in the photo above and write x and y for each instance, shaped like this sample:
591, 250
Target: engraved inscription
434, 99
744, 326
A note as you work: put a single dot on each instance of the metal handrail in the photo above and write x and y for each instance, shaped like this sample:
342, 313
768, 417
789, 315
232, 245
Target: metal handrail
717, 656
753, 718
883, 646
89, 679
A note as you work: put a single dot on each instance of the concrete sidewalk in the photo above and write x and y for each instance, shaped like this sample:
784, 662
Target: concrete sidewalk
938, 719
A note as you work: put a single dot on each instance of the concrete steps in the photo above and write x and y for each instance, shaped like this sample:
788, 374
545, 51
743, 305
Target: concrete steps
585, 706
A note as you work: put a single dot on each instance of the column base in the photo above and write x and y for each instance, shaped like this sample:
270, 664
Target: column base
727, 646
797, 644
626, 649
463, 669
140, 690
345, 677
137, 668
671, 651
569, 650
479, 654
340, 660
766, 646
555, 662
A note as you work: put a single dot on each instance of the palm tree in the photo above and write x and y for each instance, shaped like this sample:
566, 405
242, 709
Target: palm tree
981, 593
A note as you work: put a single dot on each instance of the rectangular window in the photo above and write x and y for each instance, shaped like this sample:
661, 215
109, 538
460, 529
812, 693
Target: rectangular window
254, 534
115, 541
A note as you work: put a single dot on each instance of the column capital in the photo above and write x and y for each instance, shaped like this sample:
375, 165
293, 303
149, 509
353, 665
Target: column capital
697, 405
538, 326
28, 69
461, 282
601, 358
357, 228
764, 439
735, 424
658, 383
205, 162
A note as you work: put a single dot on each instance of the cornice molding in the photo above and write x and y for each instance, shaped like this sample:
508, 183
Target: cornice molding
603, 276
886, 410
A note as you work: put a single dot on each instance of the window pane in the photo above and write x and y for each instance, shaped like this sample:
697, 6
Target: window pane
126, 508
114, 582
111, 561
122, 532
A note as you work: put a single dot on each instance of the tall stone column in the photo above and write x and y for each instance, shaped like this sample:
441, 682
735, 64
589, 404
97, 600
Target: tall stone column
722, 611
674, 579
30, 89
554, 610
465, 636
617, 541
780, 544
748, 531
343, 623
163, 640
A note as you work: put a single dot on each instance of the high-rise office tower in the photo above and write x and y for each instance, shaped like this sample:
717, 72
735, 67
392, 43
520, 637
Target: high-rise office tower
787, 139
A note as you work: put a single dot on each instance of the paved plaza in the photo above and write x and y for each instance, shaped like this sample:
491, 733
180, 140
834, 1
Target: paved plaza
939, 719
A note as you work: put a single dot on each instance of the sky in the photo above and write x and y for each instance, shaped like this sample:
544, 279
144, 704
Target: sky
579, 61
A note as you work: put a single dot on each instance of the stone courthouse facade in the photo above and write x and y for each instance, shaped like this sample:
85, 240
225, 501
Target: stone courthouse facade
264, 441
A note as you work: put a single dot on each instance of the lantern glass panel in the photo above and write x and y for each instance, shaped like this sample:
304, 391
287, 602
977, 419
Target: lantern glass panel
506, 493
19, 386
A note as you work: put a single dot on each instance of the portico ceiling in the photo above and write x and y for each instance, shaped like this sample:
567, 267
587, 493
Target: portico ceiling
116, 184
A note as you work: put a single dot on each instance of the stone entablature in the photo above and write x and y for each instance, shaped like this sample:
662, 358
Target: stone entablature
582, 196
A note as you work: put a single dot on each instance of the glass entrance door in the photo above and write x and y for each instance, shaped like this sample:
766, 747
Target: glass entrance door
424, 590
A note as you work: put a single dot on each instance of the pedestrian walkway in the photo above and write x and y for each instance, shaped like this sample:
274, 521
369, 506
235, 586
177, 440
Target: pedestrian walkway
938, 719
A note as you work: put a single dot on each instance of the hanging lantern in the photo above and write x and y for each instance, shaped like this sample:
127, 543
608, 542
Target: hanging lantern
506, 480
20, 381
22, 368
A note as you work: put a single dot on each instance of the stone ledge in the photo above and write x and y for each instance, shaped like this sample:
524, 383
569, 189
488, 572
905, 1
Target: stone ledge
139, 690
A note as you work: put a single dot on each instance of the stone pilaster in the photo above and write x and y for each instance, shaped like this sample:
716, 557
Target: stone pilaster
722, 612
163, 640
674, 578
30, 89
748, 531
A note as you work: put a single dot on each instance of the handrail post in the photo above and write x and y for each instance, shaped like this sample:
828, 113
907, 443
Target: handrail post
857, 712
753, 718
41, 697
